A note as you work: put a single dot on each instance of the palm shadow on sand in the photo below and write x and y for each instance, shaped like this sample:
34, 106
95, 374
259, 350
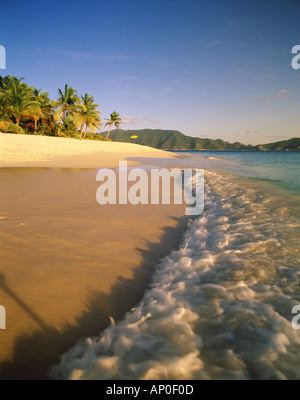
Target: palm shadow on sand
35, 353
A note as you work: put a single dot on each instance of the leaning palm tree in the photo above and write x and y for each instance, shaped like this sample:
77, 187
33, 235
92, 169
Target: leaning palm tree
114, 120
89, 116
68, 105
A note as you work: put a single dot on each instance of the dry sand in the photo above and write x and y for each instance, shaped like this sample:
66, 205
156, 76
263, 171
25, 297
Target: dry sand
67, 263
55, 152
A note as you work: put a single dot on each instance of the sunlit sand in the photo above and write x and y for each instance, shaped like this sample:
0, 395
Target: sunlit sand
68, 264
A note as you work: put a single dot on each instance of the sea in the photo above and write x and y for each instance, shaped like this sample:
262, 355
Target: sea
225, 303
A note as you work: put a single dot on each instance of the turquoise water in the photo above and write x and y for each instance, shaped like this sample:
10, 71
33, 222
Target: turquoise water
282, 168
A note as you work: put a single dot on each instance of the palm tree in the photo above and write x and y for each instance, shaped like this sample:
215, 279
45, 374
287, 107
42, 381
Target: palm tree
68, 105
45, 107
6, 82
114, 120
6, 124
89, 116
19, 102
5, 86
92, 121
4, 112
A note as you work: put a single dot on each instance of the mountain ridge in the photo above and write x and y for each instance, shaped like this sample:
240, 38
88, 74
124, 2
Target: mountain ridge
176, 140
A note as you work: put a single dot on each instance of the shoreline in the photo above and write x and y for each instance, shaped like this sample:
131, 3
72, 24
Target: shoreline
70, 264
74, 268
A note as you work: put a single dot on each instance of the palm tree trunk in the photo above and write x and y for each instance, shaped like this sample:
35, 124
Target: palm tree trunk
109, 131
35, 125
81, 130
85, 132
60, 123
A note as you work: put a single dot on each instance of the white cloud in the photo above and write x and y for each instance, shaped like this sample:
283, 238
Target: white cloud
94, 56
162, 62
248, 132
129, 120
166, 90
127, 78
275, 52
276, 97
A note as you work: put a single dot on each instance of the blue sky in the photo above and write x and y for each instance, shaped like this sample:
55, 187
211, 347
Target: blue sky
209, 68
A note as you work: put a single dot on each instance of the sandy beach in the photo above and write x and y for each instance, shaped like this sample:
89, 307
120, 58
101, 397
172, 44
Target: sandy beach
192, 120
69, 264
58, 152
218, 306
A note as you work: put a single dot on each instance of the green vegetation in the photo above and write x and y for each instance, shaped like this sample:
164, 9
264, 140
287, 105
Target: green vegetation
284, 145
175, 140
114, 120
68, 107
89, 117
25, 109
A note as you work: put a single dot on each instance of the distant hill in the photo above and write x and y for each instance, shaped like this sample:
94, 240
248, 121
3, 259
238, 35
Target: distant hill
175, 140
290, 145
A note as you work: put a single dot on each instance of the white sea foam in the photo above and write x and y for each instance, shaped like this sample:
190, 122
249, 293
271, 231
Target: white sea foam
218, 308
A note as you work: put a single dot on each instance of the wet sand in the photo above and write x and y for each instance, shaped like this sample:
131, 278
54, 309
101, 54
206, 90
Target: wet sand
68, 264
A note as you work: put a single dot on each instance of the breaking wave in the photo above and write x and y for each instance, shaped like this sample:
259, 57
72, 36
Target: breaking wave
219, 307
